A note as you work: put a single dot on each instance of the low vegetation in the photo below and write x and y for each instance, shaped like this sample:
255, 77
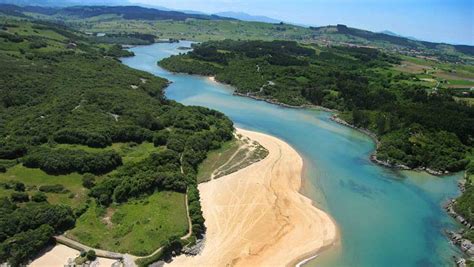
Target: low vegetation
234, 155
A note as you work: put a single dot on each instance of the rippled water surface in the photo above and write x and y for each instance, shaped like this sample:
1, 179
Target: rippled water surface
386, 218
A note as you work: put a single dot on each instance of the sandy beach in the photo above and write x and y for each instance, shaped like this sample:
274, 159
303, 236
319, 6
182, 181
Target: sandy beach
57, 256
60, 255
257, 217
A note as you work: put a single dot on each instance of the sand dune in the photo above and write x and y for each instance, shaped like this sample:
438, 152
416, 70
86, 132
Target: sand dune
257, 217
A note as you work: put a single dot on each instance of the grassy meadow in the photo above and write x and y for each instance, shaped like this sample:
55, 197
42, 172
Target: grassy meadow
138, 227
215, 159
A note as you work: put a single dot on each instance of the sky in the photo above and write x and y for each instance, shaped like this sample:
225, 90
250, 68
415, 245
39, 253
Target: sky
450, 21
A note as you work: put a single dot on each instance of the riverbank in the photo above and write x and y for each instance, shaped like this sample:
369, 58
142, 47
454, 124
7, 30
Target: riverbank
272, 101
257, 216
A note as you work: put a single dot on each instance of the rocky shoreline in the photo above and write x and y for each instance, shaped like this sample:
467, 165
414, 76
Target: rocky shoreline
456, 237
275, 102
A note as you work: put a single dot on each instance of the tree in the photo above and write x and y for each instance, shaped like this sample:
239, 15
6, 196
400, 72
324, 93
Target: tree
90, 255
160, 138
172, 247
18, 249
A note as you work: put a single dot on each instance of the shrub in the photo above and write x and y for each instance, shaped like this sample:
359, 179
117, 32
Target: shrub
39, 197
56, 188
38, 44
88, 180
160, 138
19, 197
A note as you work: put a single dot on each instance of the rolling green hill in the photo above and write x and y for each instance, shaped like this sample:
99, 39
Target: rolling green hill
177, 25
125, 12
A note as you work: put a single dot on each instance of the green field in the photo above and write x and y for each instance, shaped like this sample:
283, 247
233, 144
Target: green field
34, 178
450, 75
138, 227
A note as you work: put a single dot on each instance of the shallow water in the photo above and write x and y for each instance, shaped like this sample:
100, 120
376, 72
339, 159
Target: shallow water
385, 217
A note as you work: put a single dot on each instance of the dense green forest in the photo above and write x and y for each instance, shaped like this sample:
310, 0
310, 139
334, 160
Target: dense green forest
418, 127
66, 104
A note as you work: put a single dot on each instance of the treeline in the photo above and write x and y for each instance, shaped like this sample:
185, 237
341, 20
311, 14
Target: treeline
63, 161
117, 51
26, 229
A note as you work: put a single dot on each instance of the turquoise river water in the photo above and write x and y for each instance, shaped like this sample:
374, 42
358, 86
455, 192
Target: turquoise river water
385, 217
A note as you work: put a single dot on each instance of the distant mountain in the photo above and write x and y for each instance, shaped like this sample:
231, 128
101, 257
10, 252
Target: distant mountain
126, 12
193, 12
63, 3
398, 35
341, 34
247, 17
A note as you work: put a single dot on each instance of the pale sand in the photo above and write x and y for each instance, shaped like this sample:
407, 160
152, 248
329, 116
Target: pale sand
105, 262
212, 78
58, 256
257, 217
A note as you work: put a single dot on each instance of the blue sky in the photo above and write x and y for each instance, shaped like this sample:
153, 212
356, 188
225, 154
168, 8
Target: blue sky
449, 21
